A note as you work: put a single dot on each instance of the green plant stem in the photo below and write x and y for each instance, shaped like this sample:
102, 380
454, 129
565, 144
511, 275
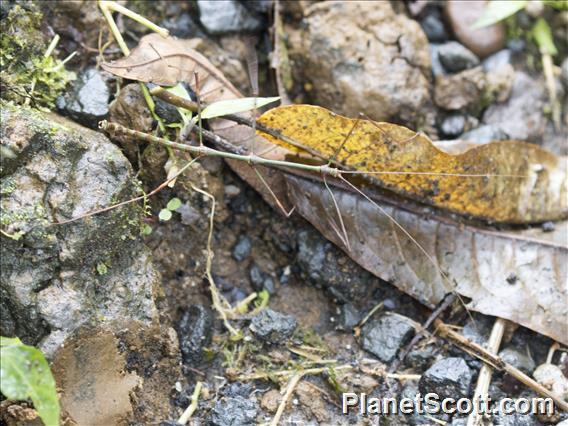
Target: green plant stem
192, 406
107, 7
115, 7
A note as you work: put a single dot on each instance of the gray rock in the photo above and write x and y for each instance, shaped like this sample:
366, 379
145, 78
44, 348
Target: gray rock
497, 60
87, 102
564, 73
189, 215
273, 327
385, 336
522, 116
183, 26
463, 91
194, 333
433, 27
456, 57
437, 67
259, 6
420, 358
222, 17
130, 110
349, 317
362, 56
242, 249
234, 411
485, 133
453, 125
448, 378
518, 359
55, 279
261, 281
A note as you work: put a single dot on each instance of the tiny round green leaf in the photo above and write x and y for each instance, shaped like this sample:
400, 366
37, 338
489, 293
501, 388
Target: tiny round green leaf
174, 204
165, 215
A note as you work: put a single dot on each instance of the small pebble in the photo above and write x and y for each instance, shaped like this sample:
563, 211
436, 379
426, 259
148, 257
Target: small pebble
349, 317
448, 378
453, 125
222, 17
456, 57
242, 249
232, 191
548, 227
194, 333
518, 359
273, 327
433, 26
87, 103
235, 411
384, 337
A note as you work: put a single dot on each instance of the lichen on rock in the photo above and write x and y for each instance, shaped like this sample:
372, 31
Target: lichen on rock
51, 280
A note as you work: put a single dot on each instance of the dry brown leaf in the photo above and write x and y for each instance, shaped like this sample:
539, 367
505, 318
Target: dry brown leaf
517, 275
527, 184
168, 61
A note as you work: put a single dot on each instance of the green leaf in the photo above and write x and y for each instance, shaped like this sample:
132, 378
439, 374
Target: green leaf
102, 268
165, 215
234, 106
180, 91
24, 373
497, 10
261, 300
557, 4
543, 36
146, 229
174, 204
9, 341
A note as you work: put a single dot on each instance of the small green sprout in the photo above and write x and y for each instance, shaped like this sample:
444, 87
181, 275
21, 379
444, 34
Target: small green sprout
172, 206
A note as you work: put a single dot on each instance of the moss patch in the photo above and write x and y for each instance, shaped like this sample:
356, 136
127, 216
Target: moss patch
26, 74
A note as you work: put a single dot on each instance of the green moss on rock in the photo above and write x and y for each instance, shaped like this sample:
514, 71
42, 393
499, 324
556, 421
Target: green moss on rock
26, 74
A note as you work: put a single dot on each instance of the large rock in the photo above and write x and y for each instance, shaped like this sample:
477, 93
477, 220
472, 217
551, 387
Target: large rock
56, 278
355, 57
522, 115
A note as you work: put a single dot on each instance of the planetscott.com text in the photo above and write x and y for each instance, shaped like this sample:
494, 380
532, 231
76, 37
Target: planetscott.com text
431, 403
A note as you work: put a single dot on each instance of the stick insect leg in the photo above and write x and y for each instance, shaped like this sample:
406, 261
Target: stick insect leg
278, 202
444, 276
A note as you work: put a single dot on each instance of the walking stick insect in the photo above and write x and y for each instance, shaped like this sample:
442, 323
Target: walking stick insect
144, 65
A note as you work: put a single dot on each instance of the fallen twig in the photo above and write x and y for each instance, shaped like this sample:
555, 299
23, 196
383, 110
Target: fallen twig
484, 378
289, 389
493, 360
192, 406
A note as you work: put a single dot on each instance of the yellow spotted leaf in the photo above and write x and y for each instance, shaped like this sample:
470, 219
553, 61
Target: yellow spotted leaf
507, 181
